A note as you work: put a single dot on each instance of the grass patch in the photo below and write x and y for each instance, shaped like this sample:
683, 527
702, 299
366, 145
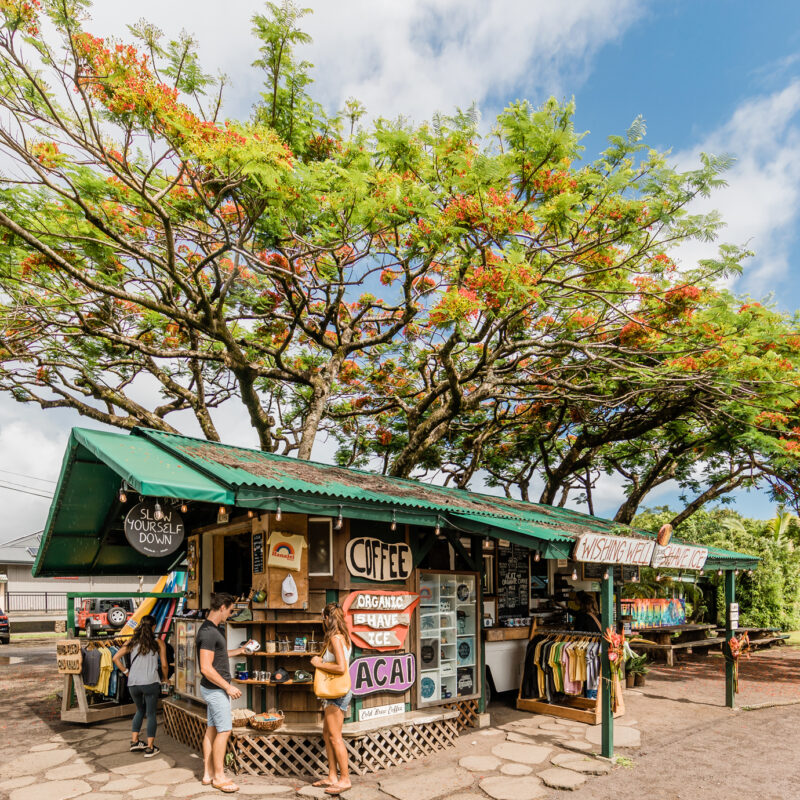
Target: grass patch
794, 638
21, 637
623, 761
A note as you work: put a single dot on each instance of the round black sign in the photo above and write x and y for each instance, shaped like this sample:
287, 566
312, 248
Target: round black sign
154, 529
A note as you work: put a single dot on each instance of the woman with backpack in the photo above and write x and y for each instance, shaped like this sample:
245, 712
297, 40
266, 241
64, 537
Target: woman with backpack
147, 652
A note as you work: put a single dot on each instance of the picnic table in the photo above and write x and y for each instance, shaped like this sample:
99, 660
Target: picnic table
668, 639
760, 637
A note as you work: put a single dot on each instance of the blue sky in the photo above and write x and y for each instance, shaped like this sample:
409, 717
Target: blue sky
716, 75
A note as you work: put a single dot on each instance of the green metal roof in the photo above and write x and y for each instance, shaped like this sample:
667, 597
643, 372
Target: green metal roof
163, 464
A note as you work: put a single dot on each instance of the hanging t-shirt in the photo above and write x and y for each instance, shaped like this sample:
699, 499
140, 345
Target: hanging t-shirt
285, 550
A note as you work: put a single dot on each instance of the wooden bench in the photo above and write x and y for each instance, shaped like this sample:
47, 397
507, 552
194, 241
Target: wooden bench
669, 649
760, 637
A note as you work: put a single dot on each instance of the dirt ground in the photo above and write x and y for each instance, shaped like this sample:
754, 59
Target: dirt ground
692, 746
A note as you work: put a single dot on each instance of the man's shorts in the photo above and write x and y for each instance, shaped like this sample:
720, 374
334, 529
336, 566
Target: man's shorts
218, 708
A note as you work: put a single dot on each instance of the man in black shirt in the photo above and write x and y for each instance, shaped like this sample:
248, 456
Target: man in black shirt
216, 689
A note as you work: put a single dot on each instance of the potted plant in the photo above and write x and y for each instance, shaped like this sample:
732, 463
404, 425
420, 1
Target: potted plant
637, 668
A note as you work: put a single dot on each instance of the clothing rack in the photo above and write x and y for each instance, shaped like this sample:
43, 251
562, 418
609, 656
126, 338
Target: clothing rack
580, 709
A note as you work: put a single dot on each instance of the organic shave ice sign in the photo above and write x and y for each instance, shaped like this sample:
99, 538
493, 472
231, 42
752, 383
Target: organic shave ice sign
605, 549
383, 674
379, 620
378, 561
153, 529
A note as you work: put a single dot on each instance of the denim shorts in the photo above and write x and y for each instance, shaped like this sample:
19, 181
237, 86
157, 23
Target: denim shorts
342, 703
218, 709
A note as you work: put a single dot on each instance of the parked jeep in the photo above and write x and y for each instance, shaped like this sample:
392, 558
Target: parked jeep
5, 628
98, 615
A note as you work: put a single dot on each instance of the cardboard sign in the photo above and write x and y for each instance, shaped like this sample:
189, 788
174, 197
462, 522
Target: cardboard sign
378, 619
378, 561
680, 556
68, 657
383, 674
154, 532
606, 549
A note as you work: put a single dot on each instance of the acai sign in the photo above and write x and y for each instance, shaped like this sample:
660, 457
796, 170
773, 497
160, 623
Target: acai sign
150, 536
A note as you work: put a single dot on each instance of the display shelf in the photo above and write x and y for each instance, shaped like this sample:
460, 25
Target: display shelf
314, 621
289, 654
272, 683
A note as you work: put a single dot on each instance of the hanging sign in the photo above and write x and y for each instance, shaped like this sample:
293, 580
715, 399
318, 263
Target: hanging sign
607, 549
378, 712
383, 674
378, 561
258, 552
680, 556
378, 619
153, 529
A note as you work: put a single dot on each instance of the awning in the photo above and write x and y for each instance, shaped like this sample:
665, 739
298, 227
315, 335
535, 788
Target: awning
83, 535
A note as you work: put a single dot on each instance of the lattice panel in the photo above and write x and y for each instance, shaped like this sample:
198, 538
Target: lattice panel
467, 714
403, 743
189, 729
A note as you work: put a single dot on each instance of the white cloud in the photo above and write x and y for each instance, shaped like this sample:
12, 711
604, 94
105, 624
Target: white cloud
761, 204
413, 57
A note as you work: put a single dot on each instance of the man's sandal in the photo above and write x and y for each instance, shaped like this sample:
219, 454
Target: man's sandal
229, 787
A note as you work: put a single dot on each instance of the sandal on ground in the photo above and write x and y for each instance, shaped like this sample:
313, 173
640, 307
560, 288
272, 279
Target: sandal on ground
229, 787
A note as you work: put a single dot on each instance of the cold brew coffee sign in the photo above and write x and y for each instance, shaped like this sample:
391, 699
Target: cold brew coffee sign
153, 529
378, 561
377, 619
383, 674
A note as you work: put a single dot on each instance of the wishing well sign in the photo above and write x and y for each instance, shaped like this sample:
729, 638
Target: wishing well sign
377, 619
608, 549
152, 531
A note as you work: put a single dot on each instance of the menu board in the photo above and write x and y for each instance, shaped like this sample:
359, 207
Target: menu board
513, 580
258, 552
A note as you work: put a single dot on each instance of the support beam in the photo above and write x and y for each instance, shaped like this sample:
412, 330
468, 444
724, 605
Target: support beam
606, 618
730, 597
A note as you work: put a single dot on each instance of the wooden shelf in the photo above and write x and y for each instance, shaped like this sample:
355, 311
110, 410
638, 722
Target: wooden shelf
272, 683
289, 654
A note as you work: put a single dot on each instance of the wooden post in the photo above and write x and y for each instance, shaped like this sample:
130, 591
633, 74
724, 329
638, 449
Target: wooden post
730, 597
606, 618
476, 551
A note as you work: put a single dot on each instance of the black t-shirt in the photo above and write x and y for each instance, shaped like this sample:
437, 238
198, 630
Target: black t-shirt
212, 637
584, 621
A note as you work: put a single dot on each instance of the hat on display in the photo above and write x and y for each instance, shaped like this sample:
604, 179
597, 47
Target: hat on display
280, 676
301, 676
289, 591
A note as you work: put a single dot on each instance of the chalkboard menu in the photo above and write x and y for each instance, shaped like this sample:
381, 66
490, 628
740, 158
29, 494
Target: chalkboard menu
513, 581
258, 552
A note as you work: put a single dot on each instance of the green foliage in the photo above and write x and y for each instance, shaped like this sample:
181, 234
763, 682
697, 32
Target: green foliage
770, 597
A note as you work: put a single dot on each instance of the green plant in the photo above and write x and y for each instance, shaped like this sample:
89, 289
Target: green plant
637, 665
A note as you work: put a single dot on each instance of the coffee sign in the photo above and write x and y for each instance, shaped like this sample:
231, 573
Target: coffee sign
383, 674
154, 532
375, 560
377, 619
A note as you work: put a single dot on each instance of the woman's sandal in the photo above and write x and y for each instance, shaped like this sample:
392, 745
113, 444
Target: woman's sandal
229, 787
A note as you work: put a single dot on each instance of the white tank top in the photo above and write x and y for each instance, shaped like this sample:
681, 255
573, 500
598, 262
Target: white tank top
329, 657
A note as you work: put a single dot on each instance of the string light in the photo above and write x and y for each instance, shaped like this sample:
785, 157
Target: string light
605, 575
537, 556
719, 571
736, 572
123, 497
278, 514
658, 576
222, 514
158, 514
250, 513
339, 520
575, 574
184, 508
438, 528
393, 526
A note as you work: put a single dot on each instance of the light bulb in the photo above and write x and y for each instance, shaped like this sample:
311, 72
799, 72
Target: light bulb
736, 572
339, 520
438, 528
393, 526
658, 576
184, 508
222, 515
719, 572
537, 556
157, 512
605, 575
278, 514
250, 513
575, 574
123, 497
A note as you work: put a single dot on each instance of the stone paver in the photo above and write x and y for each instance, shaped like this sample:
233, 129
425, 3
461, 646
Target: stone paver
102, 796
522, 738
51, 790
582, 764
67, 771
512, 768
46, 746
110, 748
503, 788
34, 763
623, 736
428, 784
264, 789
168, 776
466, 796
480, 763
577, 744
361, 792
147, 792
313, 791
122, 785
191, 788
134, 763
521, 753
78, 735
98, 777
15, 783
491, 732
558, 778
